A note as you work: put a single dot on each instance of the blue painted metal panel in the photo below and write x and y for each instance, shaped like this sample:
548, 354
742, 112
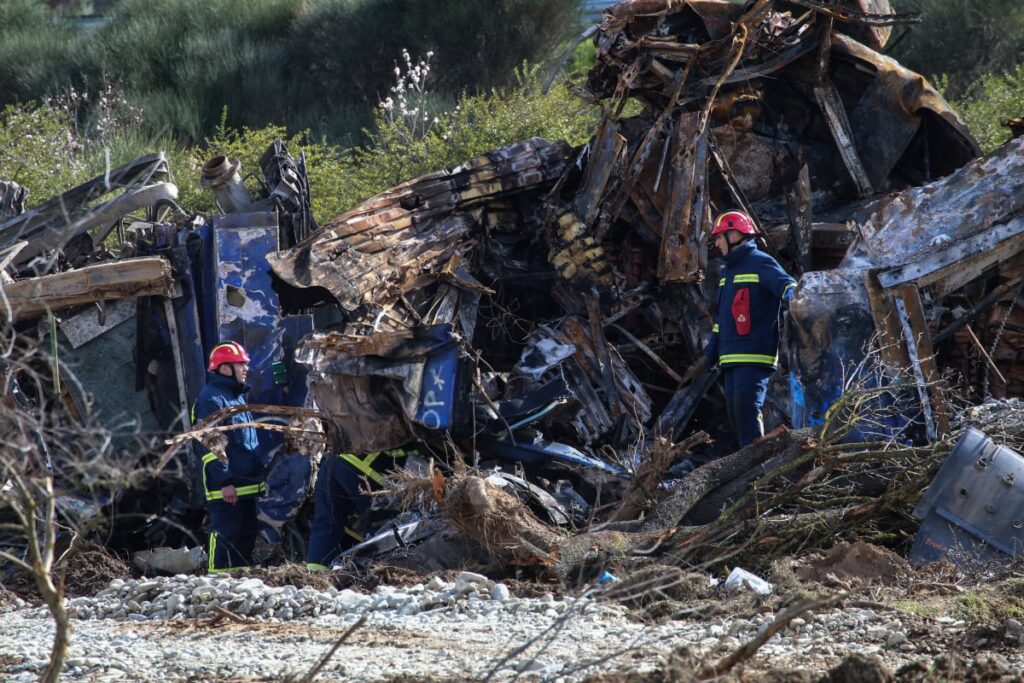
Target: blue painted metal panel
437, 391
205, 281
247, 307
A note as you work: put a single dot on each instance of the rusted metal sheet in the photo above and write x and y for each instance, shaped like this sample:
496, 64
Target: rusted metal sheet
371, 254
838, 122
683, 235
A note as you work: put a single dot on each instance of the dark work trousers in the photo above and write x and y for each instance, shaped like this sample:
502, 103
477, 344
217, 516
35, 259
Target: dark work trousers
745, 389
232, 534
338, 505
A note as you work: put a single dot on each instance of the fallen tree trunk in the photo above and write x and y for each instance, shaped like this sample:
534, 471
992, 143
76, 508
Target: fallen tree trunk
670, 512
649, 475
711, 506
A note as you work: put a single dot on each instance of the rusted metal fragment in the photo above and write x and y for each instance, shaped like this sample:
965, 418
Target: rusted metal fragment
922, 358
373, 253
835, 114
950, 137
372, 388
798, 202
683, 239
149, 276
977, 309
869, 21
605, 153
887, 325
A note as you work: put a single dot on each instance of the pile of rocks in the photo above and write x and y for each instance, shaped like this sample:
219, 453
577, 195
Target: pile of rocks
183, 596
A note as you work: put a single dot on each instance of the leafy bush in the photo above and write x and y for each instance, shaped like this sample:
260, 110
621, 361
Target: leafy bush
39, 150
994, 97
318, 65
964, 39
44, 148
401, 147
38, 51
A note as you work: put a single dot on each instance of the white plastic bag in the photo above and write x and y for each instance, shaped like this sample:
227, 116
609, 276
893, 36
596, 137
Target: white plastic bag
741, 580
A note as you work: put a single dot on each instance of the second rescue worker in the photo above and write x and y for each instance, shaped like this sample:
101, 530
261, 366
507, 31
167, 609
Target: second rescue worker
752, 292
232, 487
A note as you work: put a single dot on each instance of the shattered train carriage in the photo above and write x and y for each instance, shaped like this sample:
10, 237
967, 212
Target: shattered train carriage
569, 286
543, 307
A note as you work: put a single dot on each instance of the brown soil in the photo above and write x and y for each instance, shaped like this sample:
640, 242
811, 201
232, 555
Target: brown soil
859, 668
90, 569
857, 561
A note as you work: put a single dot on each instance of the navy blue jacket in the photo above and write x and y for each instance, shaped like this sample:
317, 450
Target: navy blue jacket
245, 469
751, 292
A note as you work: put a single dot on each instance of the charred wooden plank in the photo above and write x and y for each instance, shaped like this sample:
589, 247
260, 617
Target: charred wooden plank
149, 276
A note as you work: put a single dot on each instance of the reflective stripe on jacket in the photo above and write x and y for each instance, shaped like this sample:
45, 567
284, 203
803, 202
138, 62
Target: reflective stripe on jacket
373, 464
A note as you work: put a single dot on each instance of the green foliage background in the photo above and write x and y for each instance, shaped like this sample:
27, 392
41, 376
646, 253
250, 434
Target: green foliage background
178, 75
42, 149
317, 65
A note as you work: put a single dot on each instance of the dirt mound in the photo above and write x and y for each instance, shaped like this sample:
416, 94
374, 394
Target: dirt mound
856, 561
985, 668
90, 569
381, 575
859, 668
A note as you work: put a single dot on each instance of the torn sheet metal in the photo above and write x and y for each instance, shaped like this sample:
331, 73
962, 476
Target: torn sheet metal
959, 521
542, 354
899, 228
830, 327
83, 327
373, 253
538, 452
139, 184
376, 389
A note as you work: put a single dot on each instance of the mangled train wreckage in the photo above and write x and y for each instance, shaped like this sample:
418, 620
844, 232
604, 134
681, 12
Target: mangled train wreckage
543, 309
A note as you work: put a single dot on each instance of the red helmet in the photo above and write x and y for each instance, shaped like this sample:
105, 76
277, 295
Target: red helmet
734, 220
228, 352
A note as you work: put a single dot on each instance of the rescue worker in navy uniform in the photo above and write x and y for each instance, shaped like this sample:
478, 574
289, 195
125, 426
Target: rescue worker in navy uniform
232, 487
752, 293
340, 501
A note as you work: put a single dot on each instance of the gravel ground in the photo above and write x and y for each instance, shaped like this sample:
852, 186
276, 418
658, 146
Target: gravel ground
160, 630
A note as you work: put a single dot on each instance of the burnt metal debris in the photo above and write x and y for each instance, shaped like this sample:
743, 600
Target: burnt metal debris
542, 309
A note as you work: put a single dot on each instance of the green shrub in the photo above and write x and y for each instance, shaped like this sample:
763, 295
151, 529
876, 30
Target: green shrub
994, 97
317, 65
964, 39
39, 51
398, 151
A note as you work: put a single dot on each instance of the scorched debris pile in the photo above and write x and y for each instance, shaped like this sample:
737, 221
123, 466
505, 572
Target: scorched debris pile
544, 309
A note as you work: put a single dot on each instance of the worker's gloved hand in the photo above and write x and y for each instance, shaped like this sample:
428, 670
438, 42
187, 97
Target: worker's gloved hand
230, 496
